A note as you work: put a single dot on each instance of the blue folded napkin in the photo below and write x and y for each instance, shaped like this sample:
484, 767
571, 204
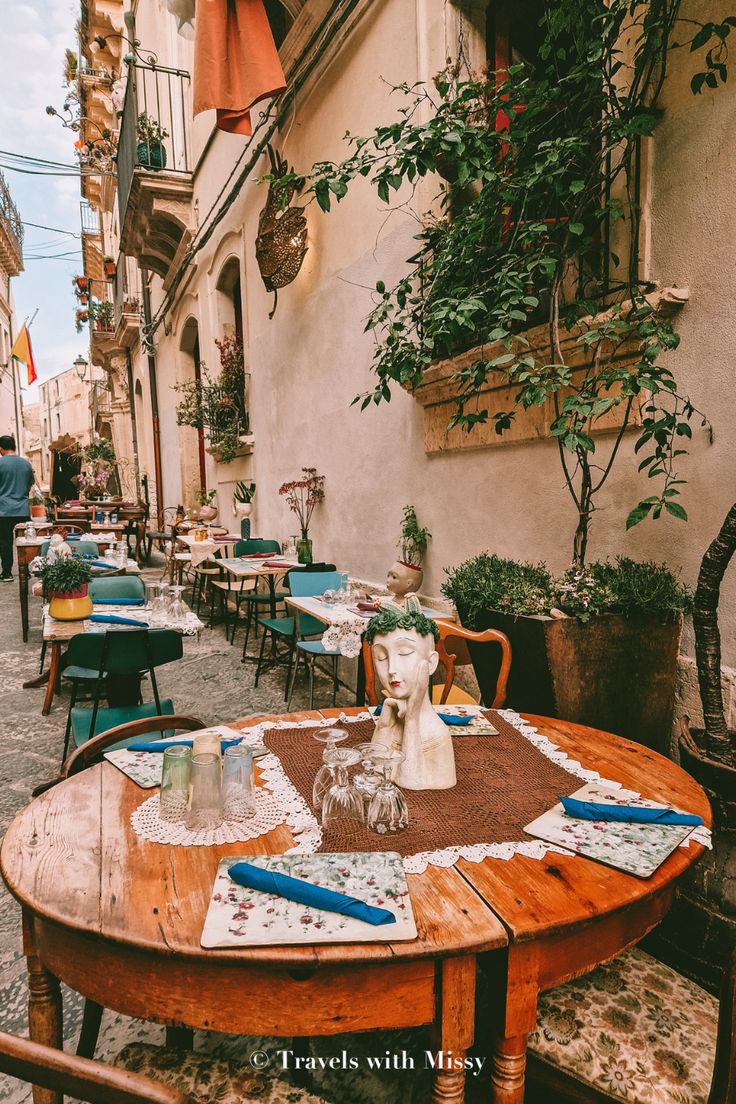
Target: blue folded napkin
628, 814
159, 745
119, 601
448, 718
113, 619
305, 893
105, 564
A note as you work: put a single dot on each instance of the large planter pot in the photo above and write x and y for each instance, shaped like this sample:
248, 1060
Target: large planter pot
74, 606
613, 672
701, 926
152, 155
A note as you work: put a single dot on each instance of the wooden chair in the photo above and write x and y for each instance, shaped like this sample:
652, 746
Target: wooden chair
451, 646
145, 1074
632, 1024
91, 751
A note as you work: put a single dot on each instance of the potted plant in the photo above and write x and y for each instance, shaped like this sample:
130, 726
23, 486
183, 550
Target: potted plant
302, 496
218, 406
243, 498
598, 645
81, 283
206, 503
150, 151
110, 268
412, 546
80, 317
38, 505
102, 313
65, 586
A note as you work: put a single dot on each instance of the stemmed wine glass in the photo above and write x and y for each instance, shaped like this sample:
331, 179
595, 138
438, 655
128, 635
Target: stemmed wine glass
159, 605
342, 802
324, 778
369, 779
176, 613
388, 811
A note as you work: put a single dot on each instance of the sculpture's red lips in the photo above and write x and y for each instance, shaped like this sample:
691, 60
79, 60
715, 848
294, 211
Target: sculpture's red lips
395, 682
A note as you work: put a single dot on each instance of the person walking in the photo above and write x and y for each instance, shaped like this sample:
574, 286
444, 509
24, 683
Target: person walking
16, 479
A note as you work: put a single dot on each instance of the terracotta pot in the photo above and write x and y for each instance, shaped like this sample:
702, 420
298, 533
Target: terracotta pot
38, 511
613, 672
73, 606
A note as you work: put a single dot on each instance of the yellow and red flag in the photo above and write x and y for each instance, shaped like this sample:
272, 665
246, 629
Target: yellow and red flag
22, 350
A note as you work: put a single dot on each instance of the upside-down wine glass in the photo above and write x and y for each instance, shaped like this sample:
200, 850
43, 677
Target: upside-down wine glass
177, 611
368, 781
343, 803
324, 778
388, 811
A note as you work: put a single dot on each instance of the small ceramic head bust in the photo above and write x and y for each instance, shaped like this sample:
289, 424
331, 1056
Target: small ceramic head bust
403, 579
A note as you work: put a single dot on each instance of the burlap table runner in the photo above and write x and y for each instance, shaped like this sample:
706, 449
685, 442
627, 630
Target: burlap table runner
503, 783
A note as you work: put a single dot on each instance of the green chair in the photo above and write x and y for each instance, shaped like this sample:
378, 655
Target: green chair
245, 590
109, 717
302, 584
81, 547
119, 654
119, 586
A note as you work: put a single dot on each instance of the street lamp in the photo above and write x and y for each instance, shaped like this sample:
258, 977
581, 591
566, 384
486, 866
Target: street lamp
81, 365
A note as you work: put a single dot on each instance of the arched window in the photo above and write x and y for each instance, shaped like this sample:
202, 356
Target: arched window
192, 370
230, 300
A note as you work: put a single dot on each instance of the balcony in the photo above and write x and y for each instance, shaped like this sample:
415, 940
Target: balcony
155, 167
11, 233
127, 303
102, 343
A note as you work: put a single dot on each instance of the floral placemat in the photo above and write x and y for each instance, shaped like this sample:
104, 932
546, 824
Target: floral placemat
638, 849
243, 917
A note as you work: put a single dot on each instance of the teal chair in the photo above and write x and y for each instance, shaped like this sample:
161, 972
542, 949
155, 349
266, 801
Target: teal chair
119, 586
287, 630
246, 590
81, 547
126, 653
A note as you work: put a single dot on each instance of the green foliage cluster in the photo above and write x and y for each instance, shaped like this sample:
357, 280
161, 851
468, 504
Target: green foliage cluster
64, 576
414, 538
218, 406
488, 582
244, 492
388, 620
538, 169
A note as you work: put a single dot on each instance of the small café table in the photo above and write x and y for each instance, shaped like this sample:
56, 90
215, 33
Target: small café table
245, 568
27, 550
57, 633
119, 920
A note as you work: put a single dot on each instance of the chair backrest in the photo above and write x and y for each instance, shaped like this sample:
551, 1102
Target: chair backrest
124, 652
81, 547
453, 648
254, 544
309, 569
120, 586
444, 646
308, 584
80, 1078
91, 751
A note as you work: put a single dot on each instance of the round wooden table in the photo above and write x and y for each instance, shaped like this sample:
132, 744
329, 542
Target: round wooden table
119, 919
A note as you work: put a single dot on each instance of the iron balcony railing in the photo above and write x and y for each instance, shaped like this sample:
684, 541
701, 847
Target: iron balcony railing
9, 215
155, 127
89, 218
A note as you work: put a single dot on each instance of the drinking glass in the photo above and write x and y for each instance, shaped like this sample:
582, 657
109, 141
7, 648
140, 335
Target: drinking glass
151, 595
369, 779
121, 551
175, 776
204, 807
343, 803
160, 605
176, 614
388, 811
207, 743
238, 797
324, 778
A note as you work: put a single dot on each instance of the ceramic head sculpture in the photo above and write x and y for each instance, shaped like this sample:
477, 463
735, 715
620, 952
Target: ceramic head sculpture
403, 579
58, 548
404, 658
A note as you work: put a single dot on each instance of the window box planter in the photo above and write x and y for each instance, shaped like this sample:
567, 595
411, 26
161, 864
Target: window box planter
245, 447
614, 673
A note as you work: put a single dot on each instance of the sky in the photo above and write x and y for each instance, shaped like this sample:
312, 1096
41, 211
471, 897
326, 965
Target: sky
34, 35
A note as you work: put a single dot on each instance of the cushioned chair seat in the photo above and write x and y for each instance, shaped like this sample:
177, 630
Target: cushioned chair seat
208, 1080
282, 626
111, 717
634, 1029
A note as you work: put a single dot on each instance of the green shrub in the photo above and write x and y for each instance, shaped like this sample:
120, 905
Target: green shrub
489, 582
65, 575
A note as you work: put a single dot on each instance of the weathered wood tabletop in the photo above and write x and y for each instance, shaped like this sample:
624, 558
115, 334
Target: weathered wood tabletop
119, 919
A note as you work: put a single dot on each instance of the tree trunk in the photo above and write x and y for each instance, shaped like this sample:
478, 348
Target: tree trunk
708, 640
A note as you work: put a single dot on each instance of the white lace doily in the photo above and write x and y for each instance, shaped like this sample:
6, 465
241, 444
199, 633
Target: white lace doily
148, 824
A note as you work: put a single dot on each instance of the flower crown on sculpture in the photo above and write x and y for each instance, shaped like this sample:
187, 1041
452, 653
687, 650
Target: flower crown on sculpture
394, 617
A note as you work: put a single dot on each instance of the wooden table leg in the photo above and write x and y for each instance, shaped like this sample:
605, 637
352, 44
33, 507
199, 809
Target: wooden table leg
44, 1007
452, 1032
53, 675
517, 1017
23, 594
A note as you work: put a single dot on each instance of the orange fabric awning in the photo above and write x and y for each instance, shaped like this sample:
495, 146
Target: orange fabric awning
236, 62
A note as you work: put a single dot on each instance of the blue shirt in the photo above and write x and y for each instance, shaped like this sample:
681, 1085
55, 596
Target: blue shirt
16, 480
